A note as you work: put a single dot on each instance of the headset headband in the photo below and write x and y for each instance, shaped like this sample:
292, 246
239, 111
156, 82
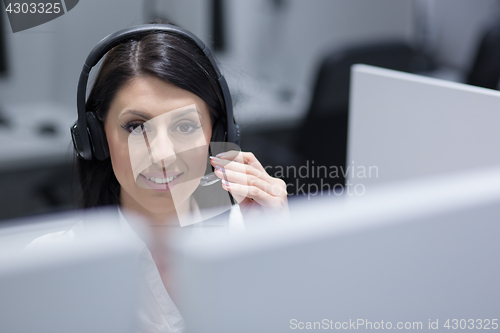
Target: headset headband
110, 41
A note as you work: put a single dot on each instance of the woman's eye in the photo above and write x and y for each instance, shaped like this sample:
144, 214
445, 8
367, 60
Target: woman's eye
184, 128
187, 128
137, 129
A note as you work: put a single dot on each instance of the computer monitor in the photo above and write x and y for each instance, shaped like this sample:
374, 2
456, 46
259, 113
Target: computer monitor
404, 126
418, 255
86, 285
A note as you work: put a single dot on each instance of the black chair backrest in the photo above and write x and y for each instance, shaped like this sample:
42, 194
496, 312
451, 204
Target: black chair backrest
485, 70
323, 135
331, 89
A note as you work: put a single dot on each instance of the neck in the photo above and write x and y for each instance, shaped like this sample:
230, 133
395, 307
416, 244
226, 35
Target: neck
166, 216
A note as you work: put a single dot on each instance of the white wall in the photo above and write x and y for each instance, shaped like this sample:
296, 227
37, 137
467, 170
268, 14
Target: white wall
286, 45
30, 64
457, 26
194, 15
80, 30
46, 60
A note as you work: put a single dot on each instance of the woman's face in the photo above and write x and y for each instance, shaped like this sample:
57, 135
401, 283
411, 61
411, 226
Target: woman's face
158, 136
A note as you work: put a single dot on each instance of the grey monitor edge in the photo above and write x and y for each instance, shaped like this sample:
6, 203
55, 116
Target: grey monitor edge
427, 255
410, 126
80, 283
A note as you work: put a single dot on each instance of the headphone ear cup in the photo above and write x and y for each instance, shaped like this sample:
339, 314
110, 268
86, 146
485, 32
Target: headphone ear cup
97, 137
237, 130
77, 140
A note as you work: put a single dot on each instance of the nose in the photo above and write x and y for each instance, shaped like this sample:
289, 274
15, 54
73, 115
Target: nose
161, 147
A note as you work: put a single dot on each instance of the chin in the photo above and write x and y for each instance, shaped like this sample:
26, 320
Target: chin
163, 202
161, 211
157, 202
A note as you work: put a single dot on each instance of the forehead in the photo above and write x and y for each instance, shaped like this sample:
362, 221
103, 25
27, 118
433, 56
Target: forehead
154, 97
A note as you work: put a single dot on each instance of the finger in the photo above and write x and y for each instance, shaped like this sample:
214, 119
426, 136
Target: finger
229, 155
240, 192
242, 157
239, 167
273, 188
249, 158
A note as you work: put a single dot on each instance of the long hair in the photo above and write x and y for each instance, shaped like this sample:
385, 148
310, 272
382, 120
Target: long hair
167, 56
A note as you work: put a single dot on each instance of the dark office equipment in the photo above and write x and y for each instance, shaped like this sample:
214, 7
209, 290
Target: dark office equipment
38, 190
218, 26
47, 129
3, 47
485, 70
4, 122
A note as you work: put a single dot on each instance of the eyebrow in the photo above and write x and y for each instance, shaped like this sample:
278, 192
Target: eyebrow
147, 117
143, 115
183, 113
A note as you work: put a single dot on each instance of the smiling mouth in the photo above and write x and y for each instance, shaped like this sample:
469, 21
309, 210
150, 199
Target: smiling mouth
159, 180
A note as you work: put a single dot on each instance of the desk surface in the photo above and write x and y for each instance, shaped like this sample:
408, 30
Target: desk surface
22, 143
261, 104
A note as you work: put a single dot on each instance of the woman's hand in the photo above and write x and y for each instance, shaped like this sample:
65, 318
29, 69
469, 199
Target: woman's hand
249, 183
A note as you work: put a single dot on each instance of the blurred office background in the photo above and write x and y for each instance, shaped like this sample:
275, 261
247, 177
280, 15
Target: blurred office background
287, 63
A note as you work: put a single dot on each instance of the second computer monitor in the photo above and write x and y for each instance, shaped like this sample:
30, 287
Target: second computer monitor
406, 126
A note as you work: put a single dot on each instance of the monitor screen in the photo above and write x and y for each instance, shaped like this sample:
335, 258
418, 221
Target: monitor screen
392, 258
84, 284
407, 126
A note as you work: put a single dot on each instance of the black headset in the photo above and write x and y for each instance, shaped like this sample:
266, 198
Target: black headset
88, 134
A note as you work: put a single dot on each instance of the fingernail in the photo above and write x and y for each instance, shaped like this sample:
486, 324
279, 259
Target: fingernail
221, 154
225, 183
219, 168
215, 159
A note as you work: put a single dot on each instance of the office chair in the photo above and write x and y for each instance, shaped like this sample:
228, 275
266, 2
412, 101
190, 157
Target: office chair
485, 70
322, 137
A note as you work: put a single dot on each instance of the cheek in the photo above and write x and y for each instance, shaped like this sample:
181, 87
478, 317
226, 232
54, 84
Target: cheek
194, 156
196, 161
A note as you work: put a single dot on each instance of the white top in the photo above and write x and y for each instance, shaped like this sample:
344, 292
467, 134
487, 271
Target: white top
156, 311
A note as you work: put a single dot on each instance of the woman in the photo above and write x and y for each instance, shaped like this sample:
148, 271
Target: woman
157, 99
154, 74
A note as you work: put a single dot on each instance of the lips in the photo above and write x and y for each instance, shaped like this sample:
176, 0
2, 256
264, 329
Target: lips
159, 181
161, 174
